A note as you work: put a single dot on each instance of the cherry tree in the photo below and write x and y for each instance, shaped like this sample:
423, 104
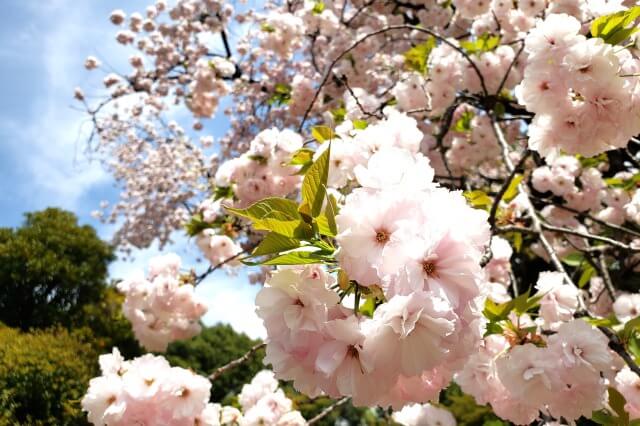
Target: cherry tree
426, 191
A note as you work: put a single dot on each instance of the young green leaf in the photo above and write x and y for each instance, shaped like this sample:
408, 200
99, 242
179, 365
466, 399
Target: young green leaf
478, 199
574, 259
630, 327
616, 27
301, 157
298, 258
330, 212
464, 122
222, 192
279, 215
315, 183
359, 124
617, 402
322, 133
495, 312
588, 271
275, 243
512, 190
416, 58
485, 43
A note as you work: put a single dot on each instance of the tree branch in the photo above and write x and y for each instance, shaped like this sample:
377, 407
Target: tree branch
616, 345
535, 220
328, 410
236, 362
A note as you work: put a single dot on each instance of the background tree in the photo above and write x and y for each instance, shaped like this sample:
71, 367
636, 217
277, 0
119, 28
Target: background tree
43, 375
50, 268
60, 314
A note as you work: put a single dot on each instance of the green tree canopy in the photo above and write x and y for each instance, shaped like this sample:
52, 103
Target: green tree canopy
50, 268
43, 376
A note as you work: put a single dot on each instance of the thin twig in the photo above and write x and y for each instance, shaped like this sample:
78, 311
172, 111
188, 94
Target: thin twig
506, 75
535, 220
588, 236
324, 413
616, 345
236, 362
361, 40
214, 268
488, 253
606, 277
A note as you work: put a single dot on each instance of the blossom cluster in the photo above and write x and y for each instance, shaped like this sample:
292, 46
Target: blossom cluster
263, 403
162, 307
564, 375
353, 147
394, 235
147, 390
575, 85
264, 169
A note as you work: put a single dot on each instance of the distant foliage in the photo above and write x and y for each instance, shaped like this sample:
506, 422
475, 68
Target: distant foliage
466, 411
49, 269
43, 375
106, 325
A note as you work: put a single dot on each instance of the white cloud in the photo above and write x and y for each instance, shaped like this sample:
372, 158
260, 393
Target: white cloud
231, 300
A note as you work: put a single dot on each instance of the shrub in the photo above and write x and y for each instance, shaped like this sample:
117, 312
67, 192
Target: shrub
43, 376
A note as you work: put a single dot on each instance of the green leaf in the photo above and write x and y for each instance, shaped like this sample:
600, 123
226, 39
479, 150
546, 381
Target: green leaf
322, 133
614, 182
196, 225
495, 312
267, 28
368, 307
279, 215
416, 58
298, 258
592, 161
603, 418
633, 345
493, 328
630, 327
587, 272
574, 259
610, 321
512, 190
485, 43
339, 114
314, 185
301, 157
323, 226
463, 124
318, 8
221, 192
615, 28
478, 199
330, 211
617, 402
281, 95
360, 124
517, 241
275, 243
524, 303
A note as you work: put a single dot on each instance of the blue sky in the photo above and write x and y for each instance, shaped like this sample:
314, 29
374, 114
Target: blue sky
43, 44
